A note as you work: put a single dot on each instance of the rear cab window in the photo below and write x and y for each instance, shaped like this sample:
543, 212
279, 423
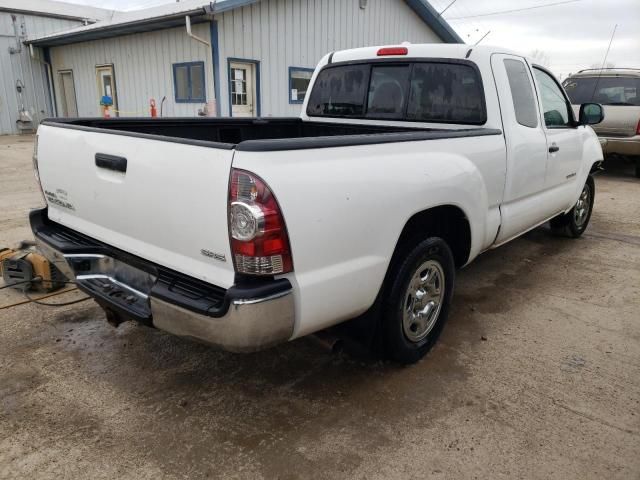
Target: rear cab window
340, 92
606, 90
417, 91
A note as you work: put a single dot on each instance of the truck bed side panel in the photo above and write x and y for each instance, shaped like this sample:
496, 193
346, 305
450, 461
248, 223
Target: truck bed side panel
345, 208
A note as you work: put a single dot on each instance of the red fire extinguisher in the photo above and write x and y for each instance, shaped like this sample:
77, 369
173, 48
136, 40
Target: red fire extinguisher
152, 104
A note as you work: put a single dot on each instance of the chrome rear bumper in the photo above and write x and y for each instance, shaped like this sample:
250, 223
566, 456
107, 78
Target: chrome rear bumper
244, 319
248, 325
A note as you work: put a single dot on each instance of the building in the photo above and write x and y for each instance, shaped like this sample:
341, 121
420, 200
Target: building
225, 58
25, 97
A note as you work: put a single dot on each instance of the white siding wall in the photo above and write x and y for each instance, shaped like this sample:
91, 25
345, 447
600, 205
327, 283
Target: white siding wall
143, 69
20, 66
284, 33
277, 33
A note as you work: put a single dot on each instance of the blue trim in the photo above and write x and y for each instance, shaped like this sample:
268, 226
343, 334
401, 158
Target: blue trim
215, 53
229, 5
291, 70
257, 67
191, 98
432, 18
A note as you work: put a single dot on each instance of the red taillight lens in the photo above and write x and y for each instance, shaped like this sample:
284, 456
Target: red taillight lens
392, 51
638, 128
259, 240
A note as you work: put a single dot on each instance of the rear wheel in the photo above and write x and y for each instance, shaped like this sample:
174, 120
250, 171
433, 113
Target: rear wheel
575, 222
638, 167
417, 300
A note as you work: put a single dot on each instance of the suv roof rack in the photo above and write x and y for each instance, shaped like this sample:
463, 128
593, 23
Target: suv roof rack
608, 68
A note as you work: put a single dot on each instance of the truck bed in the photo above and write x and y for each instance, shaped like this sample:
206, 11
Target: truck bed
260, 134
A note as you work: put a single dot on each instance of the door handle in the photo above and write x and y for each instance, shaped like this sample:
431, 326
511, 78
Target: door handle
553, 148
111, 162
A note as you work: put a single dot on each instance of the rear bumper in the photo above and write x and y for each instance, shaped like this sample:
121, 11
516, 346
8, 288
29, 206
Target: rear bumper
621, 145
243, 318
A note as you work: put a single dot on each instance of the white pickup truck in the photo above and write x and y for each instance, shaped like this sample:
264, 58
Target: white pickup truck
406, 163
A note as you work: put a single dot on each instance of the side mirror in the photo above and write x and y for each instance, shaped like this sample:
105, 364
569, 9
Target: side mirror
590, 114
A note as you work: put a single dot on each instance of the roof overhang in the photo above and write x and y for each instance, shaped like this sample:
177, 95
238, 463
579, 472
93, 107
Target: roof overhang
204, 13
55, 9
60, 16
126, 28
97, 31
434, 20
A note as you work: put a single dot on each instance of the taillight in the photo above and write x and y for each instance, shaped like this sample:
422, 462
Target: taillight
638, 128
259, 240
392, 51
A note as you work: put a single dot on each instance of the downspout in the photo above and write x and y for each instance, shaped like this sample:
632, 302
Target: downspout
49, 78
195, 37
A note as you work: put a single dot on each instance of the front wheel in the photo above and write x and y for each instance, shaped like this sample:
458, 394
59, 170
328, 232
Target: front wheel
417, 301
575, 222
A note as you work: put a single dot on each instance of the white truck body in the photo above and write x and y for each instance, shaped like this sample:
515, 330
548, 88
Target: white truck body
345, 199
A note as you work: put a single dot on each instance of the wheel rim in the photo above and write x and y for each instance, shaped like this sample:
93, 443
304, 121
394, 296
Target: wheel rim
581, 210
423, 300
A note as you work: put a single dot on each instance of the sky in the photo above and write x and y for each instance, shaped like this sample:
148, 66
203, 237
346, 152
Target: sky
568, 36
564, 35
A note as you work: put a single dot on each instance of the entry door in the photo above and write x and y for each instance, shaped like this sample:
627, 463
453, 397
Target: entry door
107, 85
67, 94
243, 89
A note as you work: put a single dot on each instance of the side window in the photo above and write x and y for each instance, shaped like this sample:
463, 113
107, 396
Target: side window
554, 104
524, 102
189, 82
299, 79
388, 91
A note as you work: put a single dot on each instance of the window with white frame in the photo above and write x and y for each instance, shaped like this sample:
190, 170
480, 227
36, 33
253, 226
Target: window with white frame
239, 86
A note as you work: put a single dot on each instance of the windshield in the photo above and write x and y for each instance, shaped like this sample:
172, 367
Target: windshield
605, 91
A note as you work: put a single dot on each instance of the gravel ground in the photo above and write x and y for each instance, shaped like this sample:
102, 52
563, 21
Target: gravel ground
537, 375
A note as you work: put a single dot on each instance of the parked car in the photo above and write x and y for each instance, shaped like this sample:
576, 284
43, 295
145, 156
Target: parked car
405, 164
618, 91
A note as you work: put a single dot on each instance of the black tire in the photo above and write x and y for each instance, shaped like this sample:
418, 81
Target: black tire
568, 223
397, 345
637, 167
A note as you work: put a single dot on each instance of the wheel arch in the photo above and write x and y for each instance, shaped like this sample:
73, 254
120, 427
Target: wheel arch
448, 222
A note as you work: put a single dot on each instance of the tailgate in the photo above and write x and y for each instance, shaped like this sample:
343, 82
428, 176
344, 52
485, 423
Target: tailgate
163, 201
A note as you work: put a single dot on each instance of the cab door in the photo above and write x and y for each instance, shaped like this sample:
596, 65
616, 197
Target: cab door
564, 146
522, 206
